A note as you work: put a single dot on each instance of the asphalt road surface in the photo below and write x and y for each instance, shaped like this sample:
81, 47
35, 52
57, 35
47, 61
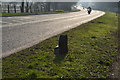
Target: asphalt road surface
21, 32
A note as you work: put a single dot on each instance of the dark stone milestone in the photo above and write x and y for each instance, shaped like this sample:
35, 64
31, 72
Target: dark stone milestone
63, 47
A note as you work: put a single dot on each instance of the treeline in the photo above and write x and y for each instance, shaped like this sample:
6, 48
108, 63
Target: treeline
104, 6
35, 7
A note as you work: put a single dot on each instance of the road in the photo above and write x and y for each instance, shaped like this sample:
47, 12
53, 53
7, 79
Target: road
21, 32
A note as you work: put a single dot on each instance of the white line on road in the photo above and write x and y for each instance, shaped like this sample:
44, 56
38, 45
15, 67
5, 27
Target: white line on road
45, 20
4, 22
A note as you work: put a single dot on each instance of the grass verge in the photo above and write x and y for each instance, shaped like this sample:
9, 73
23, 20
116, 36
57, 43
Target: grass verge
92, 50
25, 14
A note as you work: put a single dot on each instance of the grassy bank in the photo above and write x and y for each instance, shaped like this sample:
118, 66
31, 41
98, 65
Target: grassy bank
24, 14
92, 49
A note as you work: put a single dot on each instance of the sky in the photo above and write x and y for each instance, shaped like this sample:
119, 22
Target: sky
63, 0
99, 0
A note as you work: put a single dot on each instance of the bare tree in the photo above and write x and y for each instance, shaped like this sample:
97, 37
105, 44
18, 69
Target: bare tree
31, 7
15, 8
14, 5
27, 6
22, 6
48, 6
8, 8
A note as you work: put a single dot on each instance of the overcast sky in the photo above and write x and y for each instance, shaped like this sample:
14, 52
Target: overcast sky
62, 0
99, 0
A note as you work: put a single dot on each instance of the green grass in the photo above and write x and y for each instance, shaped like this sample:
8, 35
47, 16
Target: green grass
92, 50
24, 14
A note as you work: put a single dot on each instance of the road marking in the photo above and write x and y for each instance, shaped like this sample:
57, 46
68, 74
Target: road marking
18, 21
4, 22
81, 17
46, 20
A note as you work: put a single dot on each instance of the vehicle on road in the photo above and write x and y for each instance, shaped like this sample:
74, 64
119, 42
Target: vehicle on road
89, 9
